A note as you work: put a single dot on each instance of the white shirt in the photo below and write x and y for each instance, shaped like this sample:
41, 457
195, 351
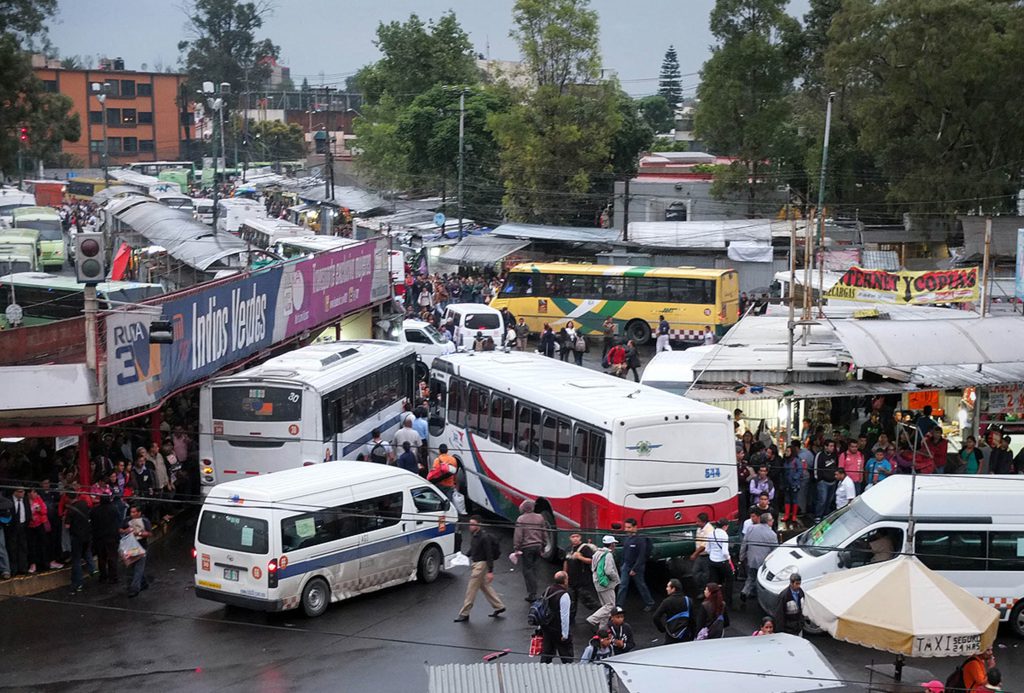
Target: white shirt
718, 546
845, 492
747, 524
709, 337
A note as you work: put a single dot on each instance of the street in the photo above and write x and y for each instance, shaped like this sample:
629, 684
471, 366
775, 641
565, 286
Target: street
168, 640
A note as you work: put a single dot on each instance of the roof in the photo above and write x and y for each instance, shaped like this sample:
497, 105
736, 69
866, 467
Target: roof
303, 481
563, 387
614, 270
701, 234
526, 677
1004, 236
50, 386
277, 227
778, 663
355, 199
30, 212
54, 281
566, 234
482, 250
942, 495
315, 243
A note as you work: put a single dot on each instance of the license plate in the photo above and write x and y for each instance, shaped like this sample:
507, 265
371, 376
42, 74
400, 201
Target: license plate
231, 574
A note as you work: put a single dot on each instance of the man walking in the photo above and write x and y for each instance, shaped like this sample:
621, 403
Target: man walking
719, 561
825, 465
79, 526
674, 615
577, 562
555, 633
606, 580
483, 551
760, 541
636, 551
789, 611
662, 343
610, 331
845, 490
701, 569
632, 360
522, 334
139, 525
528, 541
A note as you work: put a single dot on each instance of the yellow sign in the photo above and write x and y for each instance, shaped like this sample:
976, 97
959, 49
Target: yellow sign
902, 287
211, 585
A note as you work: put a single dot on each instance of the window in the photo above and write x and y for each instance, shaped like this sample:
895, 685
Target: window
128, 88
612, 288
331, 524
96, 146
508, 422
654, 289
701, 291
332, 406
114, 145
476, 418
483, 321
457, 402
496, 418
95, 117
130, 144
875, 546
427, 500
245, 403
416, 337
50, 86
549, 441
1006, 551
564, 448
233, 532
518, 285
145, 117
588, 456
128, 117
113, 117
528, 428
145, 145
951, 549
143, 89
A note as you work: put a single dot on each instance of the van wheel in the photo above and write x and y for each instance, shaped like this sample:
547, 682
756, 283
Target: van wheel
316, 596
1017, 619
430, 564
639, 331
550, 550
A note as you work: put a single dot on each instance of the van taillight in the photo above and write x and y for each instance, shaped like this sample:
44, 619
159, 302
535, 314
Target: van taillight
272, 573
194, 553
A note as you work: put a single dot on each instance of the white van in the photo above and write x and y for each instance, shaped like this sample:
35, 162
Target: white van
968, 528
425, 340
469, 318
309, 536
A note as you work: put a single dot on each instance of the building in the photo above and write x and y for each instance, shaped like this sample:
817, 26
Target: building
144, 118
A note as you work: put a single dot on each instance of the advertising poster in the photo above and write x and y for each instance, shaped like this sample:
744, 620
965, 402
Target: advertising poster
903, 287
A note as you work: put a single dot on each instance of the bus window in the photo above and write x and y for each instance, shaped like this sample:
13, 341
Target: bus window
549, 441
457, 403
1006, 550
612, 288
528, 425
564, 449
654, 289
517, 285
476, 412
588, 457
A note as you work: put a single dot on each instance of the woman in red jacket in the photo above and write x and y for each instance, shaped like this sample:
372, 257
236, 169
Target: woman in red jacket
38, 533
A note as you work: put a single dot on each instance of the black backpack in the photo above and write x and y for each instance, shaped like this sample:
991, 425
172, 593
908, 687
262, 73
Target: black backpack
678, 625
955, 681
541, 614
379, 454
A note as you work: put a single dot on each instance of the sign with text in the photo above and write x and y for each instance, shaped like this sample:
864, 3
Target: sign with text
219, 325
1005, 399
903, 287
946, 645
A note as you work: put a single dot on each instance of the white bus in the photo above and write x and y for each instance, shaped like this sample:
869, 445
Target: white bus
175, 200
310, 405
309, 537
591, 449
307, 246
233, 211
266, 232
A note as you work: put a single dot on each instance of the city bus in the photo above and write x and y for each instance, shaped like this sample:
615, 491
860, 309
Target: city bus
53, 249
154, 168
591, 449
314, 404
691, 299
307, 246
265, 233
84, 189
174, 200
46, 297
12, 199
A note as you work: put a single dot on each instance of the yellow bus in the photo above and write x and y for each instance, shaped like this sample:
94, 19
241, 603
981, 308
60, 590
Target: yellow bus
691, 299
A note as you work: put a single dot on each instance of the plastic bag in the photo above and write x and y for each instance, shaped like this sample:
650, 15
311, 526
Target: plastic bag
130, 550
460, 559
459, 501
536, 644
513, 557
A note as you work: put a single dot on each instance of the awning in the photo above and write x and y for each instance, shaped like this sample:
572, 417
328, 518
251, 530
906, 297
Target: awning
482, 250
914, 343
186, 240
525, 677
53, 387
565, 234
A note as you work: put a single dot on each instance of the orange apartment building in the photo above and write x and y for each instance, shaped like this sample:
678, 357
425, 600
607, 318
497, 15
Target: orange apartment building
143, 117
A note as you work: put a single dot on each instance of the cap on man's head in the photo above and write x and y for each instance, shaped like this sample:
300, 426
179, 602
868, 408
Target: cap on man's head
616, 610
609, 539
934, 686
442, 448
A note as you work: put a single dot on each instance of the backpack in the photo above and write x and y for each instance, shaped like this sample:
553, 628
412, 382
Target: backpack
580, 344
679, 632
541, 613
955, 681
379, 454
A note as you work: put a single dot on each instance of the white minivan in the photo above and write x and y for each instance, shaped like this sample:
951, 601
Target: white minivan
968, 528
425, 340
309, 536
469, 318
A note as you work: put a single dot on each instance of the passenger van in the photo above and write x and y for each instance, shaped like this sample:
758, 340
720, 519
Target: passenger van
469, 318
425, 340
310, 536
52, 241
967, 528
204, 210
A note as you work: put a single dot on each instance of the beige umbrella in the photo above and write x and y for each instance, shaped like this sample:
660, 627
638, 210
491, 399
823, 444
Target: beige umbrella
904, 607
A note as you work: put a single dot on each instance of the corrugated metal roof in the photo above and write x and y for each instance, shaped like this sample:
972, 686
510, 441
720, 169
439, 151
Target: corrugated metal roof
482, 250
50, 386
527, 677
569, 234
185, 239
880, 259
355, 199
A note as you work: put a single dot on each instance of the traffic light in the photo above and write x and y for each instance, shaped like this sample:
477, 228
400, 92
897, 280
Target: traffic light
89, 254
161, 332
23, 135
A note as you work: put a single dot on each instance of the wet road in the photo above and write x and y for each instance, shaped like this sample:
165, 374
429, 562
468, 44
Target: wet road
168, 640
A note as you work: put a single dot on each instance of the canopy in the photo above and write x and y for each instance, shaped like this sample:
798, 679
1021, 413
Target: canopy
185, 239
902, 606
778, 663
482, 250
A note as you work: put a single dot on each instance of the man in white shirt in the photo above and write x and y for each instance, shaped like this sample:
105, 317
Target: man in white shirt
720, 562
755, 518
407, 434
845, 489
701, 570
709, 335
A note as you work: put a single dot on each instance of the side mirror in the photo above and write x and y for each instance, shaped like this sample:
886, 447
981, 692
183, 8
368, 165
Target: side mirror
445, 504
844, 558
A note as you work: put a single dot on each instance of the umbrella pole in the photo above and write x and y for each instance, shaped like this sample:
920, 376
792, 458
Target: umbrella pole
897, 673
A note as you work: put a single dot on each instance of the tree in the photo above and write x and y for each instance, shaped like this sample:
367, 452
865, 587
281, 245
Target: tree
71, 62
743, 107
25, 19
416, 56
670, 83
273, 140
657, 113
558, 40
223, 46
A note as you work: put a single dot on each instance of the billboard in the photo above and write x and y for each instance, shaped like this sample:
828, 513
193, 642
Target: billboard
903, 287
228, 321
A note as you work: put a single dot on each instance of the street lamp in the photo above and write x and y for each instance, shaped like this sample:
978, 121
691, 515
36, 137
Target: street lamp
101, 91
216, 104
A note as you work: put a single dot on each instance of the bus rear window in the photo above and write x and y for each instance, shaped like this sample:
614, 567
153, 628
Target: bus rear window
249, 403
483, 321
233, 532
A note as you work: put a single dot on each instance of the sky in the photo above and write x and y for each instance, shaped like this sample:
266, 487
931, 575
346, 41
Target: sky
326, 41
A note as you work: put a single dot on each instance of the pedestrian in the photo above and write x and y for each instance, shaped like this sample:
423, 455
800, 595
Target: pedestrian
971, 456
407, 434
845, 490
1000, 460
699, 557
547, 341
852, 461
555, 633
761, 484
877, 469
662, 342
6, 514
522, 334
38, 535
606, 580
611, 332
636, 551
621, 632
767, 627
719, 560
576, 565
138, 525
563, 342
444, 471
528, 542
789, 610
632, 360
577, 342
825, 465
711, 617
409, 460
674, 615
105, 521
483, 551
79, 525
599, 647
794, 474
708, 335
378, 450
760, 541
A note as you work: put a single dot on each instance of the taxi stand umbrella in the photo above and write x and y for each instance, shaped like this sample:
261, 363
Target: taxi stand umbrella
904, 607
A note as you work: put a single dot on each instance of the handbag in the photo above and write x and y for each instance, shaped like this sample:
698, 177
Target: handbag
536, 644
459, 501
130, 550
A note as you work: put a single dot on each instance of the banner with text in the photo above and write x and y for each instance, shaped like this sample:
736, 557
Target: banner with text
903, 287
224, 323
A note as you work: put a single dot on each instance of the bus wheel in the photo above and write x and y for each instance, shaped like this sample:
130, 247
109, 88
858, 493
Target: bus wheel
639, 331
316, 596
550, 550
1017, 619
429, 566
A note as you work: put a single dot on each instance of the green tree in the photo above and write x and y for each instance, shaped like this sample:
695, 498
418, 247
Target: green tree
415, 57
657, 113
670, 83
273, 140
938, 93
222, 44
744, 105
558, 40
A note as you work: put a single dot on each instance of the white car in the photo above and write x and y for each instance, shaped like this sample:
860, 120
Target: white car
426, 341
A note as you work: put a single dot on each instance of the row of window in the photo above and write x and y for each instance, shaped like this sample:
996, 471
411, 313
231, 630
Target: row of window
122, 145
352, 404
340, 522
121, 117
578, 286
554, 439
970, 550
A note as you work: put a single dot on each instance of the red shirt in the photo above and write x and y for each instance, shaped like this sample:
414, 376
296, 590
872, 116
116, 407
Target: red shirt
853, 464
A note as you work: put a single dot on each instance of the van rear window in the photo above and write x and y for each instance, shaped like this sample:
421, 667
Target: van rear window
483, 321
233, 532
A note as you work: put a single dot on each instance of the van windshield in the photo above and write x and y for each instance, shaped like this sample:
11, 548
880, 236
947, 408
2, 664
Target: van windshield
434, 335
233, 532
830, 533
483, 321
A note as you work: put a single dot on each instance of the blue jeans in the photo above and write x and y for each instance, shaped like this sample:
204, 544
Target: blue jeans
825, 497
641, 585
138, 576
80, 550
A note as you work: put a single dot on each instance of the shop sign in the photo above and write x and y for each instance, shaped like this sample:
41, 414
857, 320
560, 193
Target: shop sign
903, 287
1006, 399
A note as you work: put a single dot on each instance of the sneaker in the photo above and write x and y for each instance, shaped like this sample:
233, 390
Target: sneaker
6, 576
54, 565
31, 570
76, 590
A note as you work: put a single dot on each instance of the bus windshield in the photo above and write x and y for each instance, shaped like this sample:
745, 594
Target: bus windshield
48, 230
244, 403
233, 532
837, 528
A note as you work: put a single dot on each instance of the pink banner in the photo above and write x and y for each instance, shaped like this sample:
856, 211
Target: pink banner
320, 289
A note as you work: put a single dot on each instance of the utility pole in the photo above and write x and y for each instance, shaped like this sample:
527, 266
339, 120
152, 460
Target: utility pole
625, 208
792, 291
821, 202
984, 266
101, 91
462, 150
